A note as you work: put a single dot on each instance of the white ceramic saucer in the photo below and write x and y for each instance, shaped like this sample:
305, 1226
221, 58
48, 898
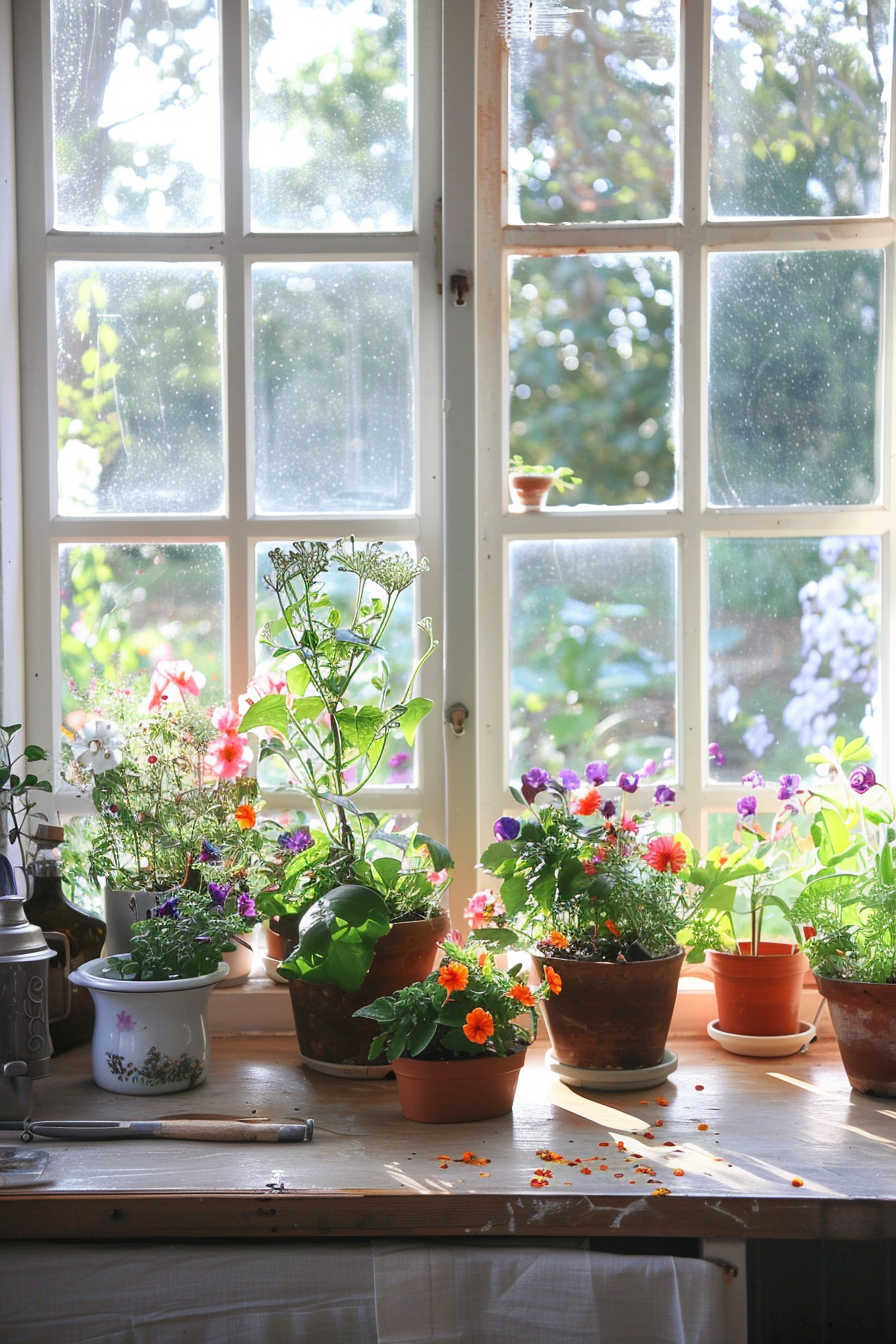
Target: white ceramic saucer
613, 1080
762, 1047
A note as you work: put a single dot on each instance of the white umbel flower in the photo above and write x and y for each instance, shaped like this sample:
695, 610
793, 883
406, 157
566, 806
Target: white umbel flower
98, 746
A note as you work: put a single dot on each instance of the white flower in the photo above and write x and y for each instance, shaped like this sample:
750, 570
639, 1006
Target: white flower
98, 746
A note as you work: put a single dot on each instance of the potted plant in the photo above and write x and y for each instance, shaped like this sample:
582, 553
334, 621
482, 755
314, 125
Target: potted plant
365, 892
758, 980
16, 803
849, 905
530, 483
175, 805
600, 902
151, 1034
455, 1040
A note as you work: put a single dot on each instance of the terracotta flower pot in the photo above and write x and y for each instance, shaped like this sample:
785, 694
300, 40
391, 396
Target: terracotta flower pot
609, 1014
759, 996
330, 1038
864, 1018
453, 1091
528, 491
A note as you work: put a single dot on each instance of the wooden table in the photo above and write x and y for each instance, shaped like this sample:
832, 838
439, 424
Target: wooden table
774, 1148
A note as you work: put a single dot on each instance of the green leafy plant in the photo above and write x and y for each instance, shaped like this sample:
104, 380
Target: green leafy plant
562, 478
328, 710
184, 936
581, 878
466, 1007
849, 898
16, 801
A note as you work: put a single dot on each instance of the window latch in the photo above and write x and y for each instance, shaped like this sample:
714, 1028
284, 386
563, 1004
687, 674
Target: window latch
461, 283
457, 717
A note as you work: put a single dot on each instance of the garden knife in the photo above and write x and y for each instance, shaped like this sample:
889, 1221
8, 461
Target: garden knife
212, 1131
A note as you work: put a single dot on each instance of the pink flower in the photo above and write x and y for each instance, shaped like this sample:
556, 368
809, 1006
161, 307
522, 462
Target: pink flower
173, 681
437, 879
124, 1022
230, 756
262, 684
226, 720
483, 908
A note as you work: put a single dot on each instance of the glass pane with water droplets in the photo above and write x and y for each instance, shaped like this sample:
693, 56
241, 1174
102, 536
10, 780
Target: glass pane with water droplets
592, 371
592, 653
793, 354
793, 648
136, 114
140, 418
333, 349
593, 113
798, 106
331, 115
123, 608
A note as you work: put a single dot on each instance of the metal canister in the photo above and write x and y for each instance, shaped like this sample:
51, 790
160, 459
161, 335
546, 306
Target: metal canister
25, 1046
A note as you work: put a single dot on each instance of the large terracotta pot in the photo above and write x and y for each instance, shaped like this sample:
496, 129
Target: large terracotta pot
611, 1014
450, 1092
864, 1018
759, 996
330, 1038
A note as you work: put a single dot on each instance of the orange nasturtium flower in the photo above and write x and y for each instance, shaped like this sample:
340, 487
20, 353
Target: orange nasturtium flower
665, 854
245, 816
555, 984
453, 977
522, 994
479, 1026
612, 927
557, 939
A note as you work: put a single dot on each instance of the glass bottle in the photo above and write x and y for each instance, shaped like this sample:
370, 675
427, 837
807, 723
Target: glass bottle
73, 934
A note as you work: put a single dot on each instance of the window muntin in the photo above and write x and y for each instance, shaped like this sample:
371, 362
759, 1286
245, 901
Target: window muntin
136, 115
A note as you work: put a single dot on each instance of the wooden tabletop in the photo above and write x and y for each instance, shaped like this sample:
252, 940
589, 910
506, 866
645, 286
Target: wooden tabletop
744, 1147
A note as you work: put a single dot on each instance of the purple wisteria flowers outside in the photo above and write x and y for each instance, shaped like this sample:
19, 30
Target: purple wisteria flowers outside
862, 779
716, 754
506, 828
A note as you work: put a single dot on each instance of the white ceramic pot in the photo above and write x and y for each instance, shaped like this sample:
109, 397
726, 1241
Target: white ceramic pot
150, 1036
240, 960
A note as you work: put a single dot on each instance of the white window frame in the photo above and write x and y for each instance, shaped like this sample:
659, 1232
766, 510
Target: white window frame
690, 520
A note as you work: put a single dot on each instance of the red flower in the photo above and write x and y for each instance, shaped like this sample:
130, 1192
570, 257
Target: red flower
612, 927
585, 802
665, 854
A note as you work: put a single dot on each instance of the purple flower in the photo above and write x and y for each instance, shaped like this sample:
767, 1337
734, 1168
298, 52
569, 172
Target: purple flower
209, 853
608, 809
716, 754
124, 1022
663, 795
294, 842
627, 782
245, 906
647, 769
597, 772
506, 828
166, 909
788, 786
752, 779
398, 760
534, 782
746, 806
569, 779
862, 779
218, 893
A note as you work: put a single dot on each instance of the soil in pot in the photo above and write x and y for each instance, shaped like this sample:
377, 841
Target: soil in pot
330, 1038
759, 996
529, 491
864, 1018
448, 1092
609, 1014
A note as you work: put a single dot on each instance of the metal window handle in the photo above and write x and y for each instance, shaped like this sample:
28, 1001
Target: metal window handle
460, 284
457, 717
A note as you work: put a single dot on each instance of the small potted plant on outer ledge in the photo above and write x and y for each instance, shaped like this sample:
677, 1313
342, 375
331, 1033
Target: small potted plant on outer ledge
455, 1040
530, 483
366, 893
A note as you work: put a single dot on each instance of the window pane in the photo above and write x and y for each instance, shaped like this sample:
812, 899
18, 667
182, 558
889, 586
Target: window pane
592, 116
139, 389
592, 353
124, 607
798, 109
333, 387
330, 144
793, 640
136, 116
592, 653
793, 350
398, 766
